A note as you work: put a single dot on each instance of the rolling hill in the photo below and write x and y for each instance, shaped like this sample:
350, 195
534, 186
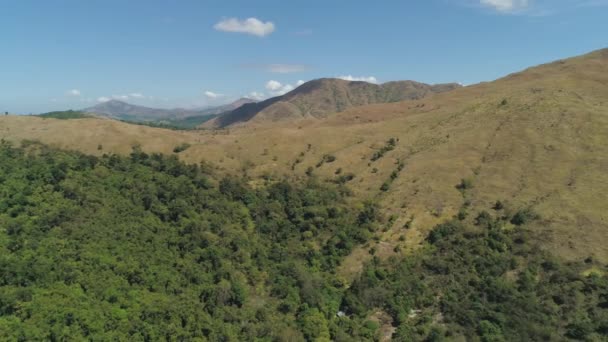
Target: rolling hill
534, 139
320, 98
124, 111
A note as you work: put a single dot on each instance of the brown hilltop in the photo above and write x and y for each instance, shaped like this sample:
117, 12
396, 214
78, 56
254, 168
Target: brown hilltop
320, 98
536, 138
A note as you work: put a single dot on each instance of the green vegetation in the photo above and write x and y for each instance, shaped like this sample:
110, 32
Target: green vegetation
344, 178
465, 184
387, 184
65, 115
181, 147
390, 145
484, 283
191, 122
327, 158
185, 124
147, 248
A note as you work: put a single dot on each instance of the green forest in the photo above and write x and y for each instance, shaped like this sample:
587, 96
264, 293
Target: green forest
146, 248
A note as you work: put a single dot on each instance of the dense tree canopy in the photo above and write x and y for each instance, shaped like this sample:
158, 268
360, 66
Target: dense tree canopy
146, 248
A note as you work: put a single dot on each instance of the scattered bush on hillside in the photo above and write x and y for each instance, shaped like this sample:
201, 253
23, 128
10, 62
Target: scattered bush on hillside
488, 284
389, 146
498, 206
465, 184
327, 158
181, 148
523, 216
387, 184
345, 178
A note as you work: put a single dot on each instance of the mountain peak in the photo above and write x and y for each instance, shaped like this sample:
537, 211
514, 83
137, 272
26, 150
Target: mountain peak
321, 97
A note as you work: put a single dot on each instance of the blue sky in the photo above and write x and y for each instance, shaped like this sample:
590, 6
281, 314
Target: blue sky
72, 53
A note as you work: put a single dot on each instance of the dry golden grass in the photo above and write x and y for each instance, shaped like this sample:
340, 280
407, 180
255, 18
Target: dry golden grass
546, 146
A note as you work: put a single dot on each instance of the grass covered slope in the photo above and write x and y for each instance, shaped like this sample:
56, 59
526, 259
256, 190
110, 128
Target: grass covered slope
537, 138
324, 97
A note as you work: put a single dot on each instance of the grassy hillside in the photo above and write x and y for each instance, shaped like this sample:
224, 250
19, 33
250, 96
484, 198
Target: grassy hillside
320, 98
535, 139
190, 122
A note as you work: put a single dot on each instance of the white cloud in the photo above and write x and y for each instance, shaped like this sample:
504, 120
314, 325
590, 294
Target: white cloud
252, 26
137, 95
506, 5
368, 79
212, 95
273, 85
276, 88
73, 92
120, 97
254, 95
103, 99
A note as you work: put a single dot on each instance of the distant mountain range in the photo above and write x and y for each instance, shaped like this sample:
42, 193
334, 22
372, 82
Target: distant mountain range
124, 111
315, 99
322, 97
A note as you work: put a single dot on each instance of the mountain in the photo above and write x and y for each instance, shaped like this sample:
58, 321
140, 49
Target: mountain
227, 107
482, 204
536, 139
124, 111
319, 98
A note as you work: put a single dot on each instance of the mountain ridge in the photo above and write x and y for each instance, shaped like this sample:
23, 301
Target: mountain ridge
321, 97
535, 139
121, 110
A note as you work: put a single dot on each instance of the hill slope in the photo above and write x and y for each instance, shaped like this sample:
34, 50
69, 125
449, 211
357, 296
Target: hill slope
319, 98
65, 115
125, 111
537, 139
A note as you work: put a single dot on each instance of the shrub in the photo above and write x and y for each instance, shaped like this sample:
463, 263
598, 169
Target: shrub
524, 216
345, 178
465, 184
181, 148
498, 205
390, 145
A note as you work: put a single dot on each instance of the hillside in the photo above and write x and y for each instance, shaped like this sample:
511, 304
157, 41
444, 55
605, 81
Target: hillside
124, 111
319, 98
536, 138
145, 247
65, 115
